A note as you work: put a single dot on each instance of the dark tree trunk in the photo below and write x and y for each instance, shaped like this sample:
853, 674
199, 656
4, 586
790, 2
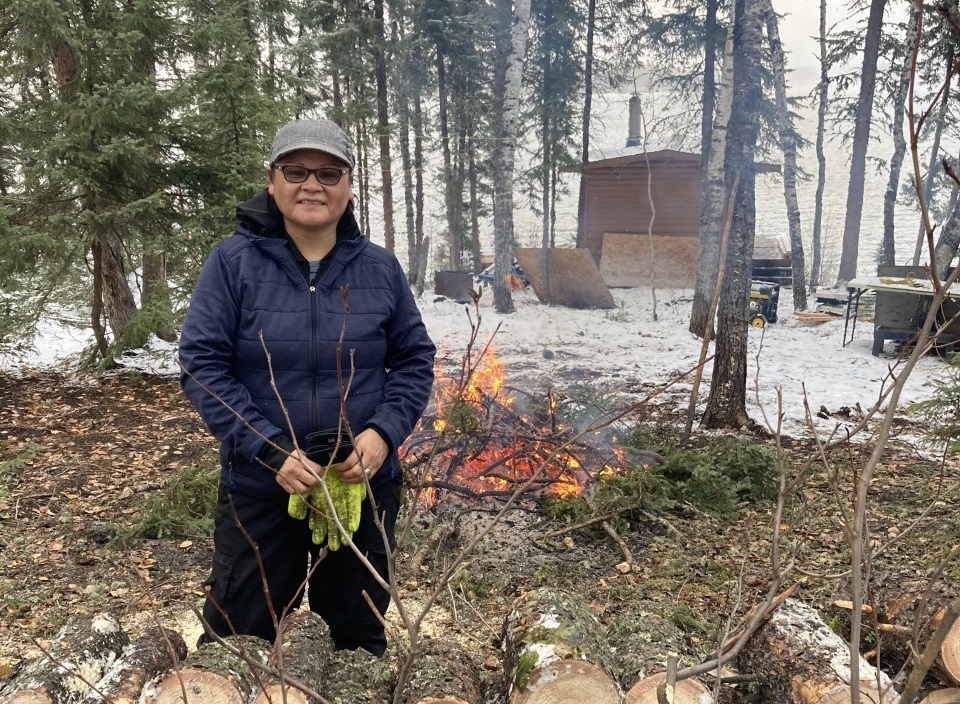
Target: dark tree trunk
726, 405
403, 125
861, 139
118, 300
587, 106
788, 145
888, 250
709, 83
822, 89
948, 242
453, 215
383, 127
473, 178
933, 169
423, 247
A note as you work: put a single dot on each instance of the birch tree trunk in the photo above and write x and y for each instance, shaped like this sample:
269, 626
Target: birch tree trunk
505, 156
888, 252
822, 89
788, 145
861, 138
714, 190
726, 405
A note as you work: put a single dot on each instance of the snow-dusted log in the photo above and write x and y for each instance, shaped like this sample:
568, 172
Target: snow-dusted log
942, 696
687, 691
78, 656
555, 652
304, 655
213, 674
950, 654
154, 651
802, 661
357, 677
444, 674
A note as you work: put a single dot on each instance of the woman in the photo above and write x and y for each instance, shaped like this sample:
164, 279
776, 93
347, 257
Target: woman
299, 299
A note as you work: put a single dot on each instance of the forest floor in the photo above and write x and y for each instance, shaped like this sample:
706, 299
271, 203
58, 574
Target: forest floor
79, 456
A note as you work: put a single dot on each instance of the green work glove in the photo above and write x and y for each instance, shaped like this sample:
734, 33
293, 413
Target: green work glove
347, 501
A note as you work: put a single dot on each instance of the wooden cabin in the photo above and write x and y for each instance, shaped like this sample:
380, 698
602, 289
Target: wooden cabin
618, 213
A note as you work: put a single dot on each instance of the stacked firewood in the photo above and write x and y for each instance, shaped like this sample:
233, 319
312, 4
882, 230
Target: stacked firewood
554, 650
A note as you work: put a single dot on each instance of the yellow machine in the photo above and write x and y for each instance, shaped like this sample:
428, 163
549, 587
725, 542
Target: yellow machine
762, 308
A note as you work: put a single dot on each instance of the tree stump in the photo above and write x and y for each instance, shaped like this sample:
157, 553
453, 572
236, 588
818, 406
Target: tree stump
444, 673
689, 691
802, 661
156, 650
78, 657
304, 655
555, 652
213, 675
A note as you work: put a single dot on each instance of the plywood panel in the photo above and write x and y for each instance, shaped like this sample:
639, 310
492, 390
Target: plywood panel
625, 260
575, 280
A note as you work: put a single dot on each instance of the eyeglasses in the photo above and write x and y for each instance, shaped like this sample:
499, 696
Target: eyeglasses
327, 175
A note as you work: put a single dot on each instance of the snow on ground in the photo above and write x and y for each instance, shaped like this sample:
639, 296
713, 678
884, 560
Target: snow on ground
623, 349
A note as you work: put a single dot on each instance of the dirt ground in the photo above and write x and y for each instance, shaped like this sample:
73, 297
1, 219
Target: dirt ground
79, 454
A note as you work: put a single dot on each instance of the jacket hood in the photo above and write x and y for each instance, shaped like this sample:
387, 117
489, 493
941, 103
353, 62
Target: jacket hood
260, 216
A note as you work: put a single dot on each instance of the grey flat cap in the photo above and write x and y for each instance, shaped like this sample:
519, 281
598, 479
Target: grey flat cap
322, 135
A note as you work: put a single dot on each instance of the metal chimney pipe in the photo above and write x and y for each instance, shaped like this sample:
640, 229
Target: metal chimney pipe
634, 138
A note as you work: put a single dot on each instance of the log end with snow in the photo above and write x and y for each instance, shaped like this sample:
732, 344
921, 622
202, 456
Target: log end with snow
803, 661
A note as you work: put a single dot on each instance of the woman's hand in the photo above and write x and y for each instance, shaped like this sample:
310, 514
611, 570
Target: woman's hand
369, 452
298, 473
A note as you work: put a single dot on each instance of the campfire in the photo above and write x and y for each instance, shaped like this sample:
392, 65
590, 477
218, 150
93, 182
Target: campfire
483, 441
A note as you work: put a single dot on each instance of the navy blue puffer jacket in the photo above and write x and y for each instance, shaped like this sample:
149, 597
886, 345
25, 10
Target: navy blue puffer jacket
254, 314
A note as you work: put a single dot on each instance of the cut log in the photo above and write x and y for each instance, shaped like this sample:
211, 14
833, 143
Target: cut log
304, 656
444, 674
155, 651
640, 639
78, 657
942, 696
357, 677
689, 691
950, 654
555, 652
213, 674
802, 661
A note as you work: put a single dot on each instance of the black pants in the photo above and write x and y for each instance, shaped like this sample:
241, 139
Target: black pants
237, 599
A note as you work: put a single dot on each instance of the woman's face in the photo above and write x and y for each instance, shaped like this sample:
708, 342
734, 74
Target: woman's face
310, 208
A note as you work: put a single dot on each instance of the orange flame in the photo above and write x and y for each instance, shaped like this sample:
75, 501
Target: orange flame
461, 404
